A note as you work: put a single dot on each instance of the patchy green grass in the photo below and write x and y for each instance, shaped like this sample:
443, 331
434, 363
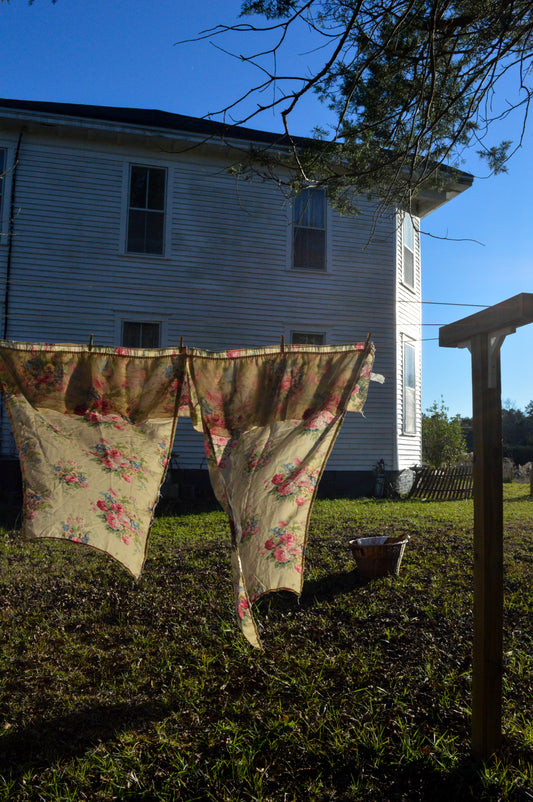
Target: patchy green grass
111, 689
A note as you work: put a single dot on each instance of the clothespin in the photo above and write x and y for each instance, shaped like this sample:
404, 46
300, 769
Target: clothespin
282, 344
182, 348
91, 342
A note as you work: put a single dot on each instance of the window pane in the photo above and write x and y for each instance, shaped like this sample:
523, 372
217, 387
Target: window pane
408, 232
131, 334
150, 335
408, 268
156, 189
154, 232
409, 411
136, 231
310, 248
409, 366
137, 334
145, 232
307, 338
138, 187
310, 208
2, 168
409, 389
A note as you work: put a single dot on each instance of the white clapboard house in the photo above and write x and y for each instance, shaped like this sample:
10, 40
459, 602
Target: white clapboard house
129, 225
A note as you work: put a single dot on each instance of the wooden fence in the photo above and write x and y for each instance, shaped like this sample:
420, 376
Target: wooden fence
442, 484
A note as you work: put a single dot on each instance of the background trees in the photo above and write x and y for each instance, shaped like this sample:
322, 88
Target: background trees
446, 439
443, 441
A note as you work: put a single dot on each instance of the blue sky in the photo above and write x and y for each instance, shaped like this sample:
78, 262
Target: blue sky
124, 53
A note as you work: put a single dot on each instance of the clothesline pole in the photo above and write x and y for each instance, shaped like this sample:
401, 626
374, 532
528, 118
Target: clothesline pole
487, 659
483, 333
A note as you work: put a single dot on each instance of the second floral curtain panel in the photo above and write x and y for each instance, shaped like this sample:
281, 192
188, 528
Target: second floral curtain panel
270, 419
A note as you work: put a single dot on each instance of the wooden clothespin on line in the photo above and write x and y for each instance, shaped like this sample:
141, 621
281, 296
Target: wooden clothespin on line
90, 343
282, 344
183, 348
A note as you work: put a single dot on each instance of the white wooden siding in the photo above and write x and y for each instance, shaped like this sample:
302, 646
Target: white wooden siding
226, 281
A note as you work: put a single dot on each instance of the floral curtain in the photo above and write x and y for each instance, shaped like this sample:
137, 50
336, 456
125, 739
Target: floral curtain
270, 419
94, 430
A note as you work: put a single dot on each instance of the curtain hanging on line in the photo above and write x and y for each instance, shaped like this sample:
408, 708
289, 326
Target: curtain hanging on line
95, 429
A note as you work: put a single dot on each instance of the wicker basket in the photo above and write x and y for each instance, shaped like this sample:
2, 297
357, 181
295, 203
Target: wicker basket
378, 556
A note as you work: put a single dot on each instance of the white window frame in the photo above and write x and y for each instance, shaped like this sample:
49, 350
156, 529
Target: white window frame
409, 393
122, 317
126, 208
327, 238
408, 220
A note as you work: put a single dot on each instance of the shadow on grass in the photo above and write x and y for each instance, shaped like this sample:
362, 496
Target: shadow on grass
331, 585
44, 741
384, 774
520, 499
314, 592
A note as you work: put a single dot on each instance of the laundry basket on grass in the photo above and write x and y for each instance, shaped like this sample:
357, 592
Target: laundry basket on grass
378, 556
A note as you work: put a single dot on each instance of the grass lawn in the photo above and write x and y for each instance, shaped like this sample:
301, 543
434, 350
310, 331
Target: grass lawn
111, 689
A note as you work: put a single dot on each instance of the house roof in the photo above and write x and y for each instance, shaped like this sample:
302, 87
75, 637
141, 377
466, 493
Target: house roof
153, 122
142, 118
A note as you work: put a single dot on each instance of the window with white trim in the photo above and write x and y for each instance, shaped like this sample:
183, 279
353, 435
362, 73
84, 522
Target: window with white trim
3, 163
146, 209
409, 388
309, 230
409, 244
308, 338
140, 334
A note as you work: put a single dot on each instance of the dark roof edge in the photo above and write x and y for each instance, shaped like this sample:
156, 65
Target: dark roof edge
148, 118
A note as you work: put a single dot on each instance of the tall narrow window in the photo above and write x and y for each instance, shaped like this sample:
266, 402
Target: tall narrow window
409, 388
140, 334
309, 232
307, 338
146, 210
409, 240
3, 161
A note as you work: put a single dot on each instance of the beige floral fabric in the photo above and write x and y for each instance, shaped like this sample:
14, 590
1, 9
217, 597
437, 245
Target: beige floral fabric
270, 419
94, 430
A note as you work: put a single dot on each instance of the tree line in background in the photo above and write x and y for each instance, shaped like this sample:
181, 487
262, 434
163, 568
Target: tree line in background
448, 439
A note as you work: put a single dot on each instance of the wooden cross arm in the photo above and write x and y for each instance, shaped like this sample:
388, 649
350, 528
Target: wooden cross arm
510, 314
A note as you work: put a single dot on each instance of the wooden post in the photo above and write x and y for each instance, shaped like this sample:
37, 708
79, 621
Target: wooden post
488, 547
484, 333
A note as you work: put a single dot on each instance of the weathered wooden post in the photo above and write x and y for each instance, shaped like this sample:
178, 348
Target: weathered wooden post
483, 333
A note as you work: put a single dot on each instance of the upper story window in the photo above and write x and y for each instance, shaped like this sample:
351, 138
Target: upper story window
409, 240
309, 230
308, 338
409, 388
146, 210
3, 161
140, 334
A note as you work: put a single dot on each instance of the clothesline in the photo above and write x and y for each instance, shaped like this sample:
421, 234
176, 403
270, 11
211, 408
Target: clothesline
95, 429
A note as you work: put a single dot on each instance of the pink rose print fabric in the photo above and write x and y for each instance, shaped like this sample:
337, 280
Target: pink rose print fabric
95, 429
94, 432
270, 420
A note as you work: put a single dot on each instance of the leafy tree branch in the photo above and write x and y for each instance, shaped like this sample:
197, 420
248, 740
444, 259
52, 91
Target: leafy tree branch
410, 84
